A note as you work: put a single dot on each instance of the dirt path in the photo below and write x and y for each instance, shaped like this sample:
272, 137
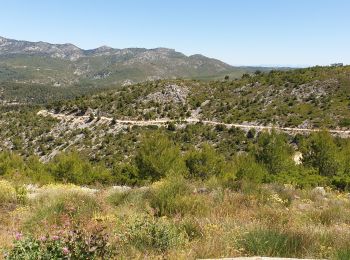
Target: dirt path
292, 130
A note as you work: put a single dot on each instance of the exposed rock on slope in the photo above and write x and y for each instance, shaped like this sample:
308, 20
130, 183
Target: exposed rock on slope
174, 93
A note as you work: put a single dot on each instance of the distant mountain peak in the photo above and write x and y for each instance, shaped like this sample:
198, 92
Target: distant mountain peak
2, 39
65, 64
105, 48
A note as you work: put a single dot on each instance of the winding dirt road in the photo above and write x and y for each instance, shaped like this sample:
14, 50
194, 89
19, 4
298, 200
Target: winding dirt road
291, 130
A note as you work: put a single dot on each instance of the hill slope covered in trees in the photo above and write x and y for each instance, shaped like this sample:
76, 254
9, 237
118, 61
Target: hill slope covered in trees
306, 98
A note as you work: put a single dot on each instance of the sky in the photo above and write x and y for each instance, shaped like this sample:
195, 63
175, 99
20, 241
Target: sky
238, 32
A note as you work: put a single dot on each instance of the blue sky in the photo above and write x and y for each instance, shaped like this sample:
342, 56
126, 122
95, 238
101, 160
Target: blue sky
239, 32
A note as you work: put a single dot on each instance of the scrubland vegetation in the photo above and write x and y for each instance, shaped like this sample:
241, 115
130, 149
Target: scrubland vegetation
266, 158
173, 218
104, 190
180, 204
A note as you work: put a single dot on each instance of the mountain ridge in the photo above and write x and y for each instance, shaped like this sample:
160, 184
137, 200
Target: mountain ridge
37, 72
33, 47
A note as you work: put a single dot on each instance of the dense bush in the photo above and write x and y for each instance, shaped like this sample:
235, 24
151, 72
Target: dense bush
274, 152
74, 244
268, 158
127, 173
37, 172
67, 167
320, 152
31, 248
248, 170
7, 192
206, 163
174, 196
72, 168
158, 157
11, 164
303, 177
149, 233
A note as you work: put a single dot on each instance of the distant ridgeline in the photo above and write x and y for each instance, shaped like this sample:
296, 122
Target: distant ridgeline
38, 72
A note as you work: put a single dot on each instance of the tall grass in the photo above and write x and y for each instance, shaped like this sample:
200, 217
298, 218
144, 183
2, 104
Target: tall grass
171, 219
342, 254
71, 207
274, 243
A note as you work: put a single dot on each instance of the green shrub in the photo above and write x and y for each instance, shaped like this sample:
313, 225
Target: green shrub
71, 244
7, 192
320, 152
72, 168
11, 164
205, 163
248, 170
171, 126
344, 122
31, 248
303, 177
174, 196
21, 194
148, 233
127, 174
341, 181
159, 157
273, 243
37, 171
274, 152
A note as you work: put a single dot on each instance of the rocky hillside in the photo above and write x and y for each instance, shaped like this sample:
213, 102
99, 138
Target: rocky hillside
305, 98
66, 70
110, 124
